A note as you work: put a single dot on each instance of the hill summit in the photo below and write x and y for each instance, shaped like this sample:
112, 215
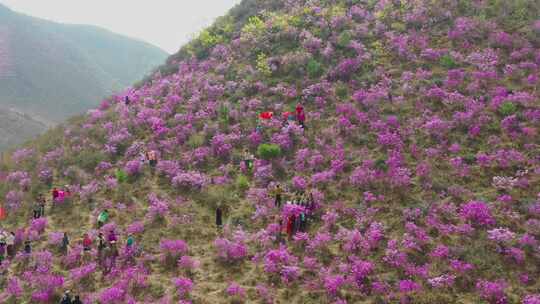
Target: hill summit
298, 152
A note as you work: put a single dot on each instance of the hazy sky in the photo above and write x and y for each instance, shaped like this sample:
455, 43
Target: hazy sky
165, 23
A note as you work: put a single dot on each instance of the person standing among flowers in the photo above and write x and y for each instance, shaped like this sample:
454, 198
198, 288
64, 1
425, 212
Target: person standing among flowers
87, 242
103, 218
278, 192
219, 217
41, 201
65, 244
10, 244
301, 116
248, 159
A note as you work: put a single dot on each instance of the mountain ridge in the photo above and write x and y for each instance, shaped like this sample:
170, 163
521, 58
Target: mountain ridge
54, 71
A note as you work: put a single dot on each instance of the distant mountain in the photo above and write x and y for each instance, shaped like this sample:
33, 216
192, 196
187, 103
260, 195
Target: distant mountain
57, 70
17, 127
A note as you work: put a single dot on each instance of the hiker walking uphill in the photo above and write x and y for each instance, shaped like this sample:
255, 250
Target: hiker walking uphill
2, 249
112, 238
27, 247
101, 247
41, 202
152, 158
219, 217
87, 242
65, 244
77, 300
103, 218
129, 241
66, 298
248, 159
55, 194
10, 244
278, 192
36, 210
301, 116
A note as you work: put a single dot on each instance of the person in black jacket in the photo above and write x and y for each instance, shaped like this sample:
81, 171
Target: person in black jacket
27, 247
65, 244
219, 217
77, 300
66, 298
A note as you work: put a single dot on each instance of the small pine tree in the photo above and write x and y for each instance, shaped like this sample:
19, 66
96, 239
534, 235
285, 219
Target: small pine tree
269, 151
507, 109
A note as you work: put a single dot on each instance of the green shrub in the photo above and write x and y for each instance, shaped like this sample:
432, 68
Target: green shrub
508, 108
121, 176
209, 40
342, 91
195, 141
255, 26
448, 62
224, 117
262, 65
314, 68
380, 164
344, 39
268, 151
242, 182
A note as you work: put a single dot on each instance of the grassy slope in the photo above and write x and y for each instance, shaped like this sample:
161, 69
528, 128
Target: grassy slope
212, 278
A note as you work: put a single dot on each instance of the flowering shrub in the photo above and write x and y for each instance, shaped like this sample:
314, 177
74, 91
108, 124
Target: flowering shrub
190, 180
158, 208
493, 292
230, 251
184, 286
81, 273
39, 225
188, 263
14, 288
14, 200
235, 290
112, 295
173, 248
135, 228
477, 212
501, 235
55, 238
133, 167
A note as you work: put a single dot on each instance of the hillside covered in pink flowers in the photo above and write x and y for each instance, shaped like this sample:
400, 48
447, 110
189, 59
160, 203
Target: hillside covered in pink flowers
401, 136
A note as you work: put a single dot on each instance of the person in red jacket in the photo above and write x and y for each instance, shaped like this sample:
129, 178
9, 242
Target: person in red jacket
87, 242
290, 224
301, 116
55, 194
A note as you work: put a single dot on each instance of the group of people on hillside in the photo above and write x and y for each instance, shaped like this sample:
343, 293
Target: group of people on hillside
7, 245
150, 157
298, 116
107, 250
298, 222
60, 195
293, 223
39, 207
66, 298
